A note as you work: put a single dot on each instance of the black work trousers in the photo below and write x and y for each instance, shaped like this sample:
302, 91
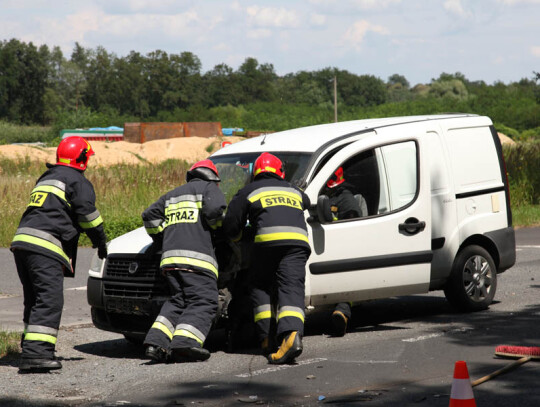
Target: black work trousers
277, 286
42, 278
185, 319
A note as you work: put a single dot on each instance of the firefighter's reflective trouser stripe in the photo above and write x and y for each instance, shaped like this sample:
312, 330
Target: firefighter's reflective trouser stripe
278, 271
42, 278
185, 319
345, 308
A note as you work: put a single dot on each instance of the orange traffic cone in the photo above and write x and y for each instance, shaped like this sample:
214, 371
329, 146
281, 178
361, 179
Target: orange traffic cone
461, 394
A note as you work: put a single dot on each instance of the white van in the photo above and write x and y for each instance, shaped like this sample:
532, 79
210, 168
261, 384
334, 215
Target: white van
436, 216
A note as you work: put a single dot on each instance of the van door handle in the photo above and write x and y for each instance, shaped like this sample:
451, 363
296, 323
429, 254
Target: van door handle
412, 226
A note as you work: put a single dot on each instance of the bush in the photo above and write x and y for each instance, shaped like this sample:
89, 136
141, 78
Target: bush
523, 167
11, 133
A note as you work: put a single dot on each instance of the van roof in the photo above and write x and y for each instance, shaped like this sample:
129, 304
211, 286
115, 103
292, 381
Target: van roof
310, 139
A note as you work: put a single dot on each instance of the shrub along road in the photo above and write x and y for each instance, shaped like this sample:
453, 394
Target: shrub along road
401, 351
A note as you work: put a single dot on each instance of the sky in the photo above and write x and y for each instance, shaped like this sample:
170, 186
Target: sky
485, 40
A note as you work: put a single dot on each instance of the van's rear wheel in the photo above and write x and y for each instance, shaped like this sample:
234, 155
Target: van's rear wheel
473, 280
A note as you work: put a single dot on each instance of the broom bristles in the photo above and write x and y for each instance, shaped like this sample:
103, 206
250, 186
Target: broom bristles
518, 351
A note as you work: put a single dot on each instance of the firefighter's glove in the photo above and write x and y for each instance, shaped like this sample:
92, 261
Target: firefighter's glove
102, 251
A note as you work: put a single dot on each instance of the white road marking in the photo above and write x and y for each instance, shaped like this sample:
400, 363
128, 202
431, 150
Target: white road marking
423, 337
83, 288
435, 335
281, 367
528, 247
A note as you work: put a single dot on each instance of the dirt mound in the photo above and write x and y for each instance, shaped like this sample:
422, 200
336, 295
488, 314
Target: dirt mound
505, 139
190, 149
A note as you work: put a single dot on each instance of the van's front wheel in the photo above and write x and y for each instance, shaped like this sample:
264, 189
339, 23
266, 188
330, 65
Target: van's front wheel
473, 280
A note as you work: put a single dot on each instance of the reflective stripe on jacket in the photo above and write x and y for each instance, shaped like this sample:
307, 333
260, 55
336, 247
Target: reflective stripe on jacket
184, 219
61, 205
274, 207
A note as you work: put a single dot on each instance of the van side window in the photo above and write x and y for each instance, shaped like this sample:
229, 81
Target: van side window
373, 182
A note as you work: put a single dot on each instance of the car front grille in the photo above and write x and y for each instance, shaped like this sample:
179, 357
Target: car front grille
133, 268
135, 277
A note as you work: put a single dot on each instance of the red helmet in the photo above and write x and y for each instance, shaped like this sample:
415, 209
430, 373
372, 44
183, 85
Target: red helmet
336, 178
74, 152
267, 162
205, 170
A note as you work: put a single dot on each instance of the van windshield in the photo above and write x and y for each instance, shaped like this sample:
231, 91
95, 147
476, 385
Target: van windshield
235, 170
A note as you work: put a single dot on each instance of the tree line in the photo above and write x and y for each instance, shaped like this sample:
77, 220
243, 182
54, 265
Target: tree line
39, 85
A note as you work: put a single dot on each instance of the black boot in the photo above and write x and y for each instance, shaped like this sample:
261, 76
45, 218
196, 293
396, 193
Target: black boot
39, 365
339, 323
156, 353
193, 354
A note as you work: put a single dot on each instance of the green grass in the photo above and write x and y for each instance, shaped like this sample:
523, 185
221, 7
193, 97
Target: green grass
526, 215
9, 343
12, 133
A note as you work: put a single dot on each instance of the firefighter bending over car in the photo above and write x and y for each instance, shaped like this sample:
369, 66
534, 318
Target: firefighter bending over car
275, 209
62, 205
181, 222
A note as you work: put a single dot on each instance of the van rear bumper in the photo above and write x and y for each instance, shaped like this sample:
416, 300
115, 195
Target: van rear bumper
505, 241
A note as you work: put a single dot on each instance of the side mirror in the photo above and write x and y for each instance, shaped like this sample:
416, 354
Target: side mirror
324, 213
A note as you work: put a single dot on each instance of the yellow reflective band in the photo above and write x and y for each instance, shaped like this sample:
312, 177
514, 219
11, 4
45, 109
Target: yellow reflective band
270, 194
294, 314
267, 169
154, 231
183, 332
281, 236
92, 224
40, 337
161, 327
192, 262
53, 190
182, 205
43, 243
64, 160
263, 315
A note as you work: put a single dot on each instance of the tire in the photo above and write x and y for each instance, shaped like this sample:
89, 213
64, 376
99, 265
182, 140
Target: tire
473, 280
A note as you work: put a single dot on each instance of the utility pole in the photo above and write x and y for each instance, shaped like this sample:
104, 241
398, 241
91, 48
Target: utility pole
335, 99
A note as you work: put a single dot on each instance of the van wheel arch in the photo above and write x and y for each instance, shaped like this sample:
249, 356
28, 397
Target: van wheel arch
484, 242
472, 283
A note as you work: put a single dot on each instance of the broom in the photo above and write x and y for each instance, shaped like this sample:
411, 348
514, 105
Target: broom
522, 353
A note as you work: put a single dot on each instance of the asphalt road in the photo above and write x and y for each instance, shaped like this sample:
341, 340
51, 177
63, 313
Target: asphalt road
401, 351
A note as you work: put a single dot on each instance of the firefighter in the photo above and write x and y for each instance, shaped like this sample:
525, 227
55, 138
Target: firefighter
62, 205
182, 222
344, 205
275, 211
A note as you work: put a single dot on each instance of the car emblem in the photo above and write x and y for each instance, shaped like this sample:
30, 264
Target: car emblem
133, 267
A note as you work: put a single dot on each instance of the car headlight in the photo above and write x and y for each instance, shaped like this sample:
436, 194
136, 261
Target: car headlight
96, 266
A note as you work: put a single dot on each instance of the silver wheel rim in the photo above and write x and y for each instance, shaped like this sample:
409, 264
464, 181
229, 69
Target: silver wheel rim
477, 278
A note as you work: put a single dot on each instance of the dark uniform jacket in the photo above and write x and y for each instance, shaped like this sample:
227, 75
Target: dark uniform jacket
344, 205
62, 205
274, 207
183, 220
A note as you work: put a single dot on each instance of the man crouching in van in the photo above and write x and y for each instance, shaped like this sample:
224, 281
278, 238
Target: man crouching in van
182, 221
